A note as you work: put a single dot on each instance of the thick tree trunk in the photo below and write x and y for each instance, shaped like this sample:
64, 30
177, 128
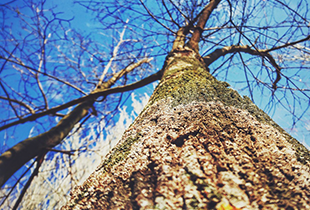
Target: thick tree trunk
199, 145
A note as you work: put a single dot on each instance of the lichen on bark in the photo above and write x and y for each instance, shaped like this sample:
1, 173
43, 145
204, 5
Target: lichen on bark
201, 155
187, 79
199, 145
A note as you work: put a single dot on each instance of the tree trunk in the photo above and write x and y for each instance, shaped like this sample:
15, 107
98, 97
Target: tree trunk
199, 145
15, 157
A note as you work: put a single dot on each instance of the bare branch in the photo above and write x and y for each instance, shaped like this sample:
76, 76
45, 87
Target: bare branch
179, 10
7, 3
18, 102
10, 102
42, 91
210, 58
128, 69
39, 70
285, 5
18, 155
115, 51
39, 162
203, 18
289, 44
169, 13
97, 93
156, 19
20, 63
19, 180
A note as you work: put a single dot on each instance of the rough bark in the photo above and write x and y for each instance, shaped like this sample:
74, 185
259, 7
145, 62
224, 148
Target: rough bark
199, 145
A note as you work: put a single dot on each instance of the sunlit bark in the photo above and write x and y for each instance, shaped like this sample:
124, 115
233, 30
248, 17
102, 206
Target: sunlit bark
199, 145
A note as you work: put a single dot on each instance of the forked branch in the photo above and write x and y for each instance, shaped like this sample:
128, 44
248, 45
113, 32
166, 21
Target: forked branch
203, 18
100, 91
19, 103
21, 153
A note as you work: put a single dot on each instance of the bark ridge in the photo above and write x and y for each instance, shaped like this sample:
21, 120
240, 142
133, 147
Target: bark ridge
202, 155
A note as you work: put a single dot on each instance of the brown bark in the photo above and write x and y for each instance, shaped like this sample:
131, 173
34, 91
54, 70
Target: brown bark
199, 145
203, 18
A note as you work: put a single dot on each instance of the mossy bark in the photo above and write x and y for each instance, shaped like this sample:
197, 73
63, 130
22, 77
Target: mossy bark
199, 145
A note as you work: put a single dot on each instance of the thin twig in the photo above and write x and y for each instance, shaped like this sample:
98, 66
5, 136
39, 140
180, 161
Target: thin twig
210, 58
97, 93
20, 63
10, 102
39, 162
18, 102
115, 51
288, 44
155, 18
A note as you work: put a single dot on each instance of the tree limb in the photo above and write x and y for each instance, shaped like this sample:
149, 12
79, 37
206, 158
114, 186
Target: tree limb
21, 153
210, 58
203, 18
97, 93
39, 162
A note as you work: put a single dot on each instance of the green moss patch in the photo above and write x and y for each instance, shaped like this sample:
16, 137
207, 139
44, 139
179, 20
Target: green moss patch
186, 79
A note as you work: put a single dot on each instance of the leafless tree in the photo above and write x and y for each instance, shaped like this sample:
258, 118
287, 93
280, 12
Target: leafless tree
56, 77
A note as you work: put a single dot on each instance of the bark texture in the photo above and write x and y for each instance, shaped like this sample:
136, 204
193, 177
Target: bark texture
199, 145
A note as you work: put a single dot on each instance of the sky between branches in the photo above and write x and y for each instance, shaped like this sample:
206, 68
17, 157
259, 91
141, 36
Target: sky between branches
80, 44
75, 18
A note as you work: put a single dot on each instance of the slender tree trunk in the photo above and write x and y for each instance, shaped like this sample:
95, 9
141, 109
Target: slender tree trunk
15, 157
199, 145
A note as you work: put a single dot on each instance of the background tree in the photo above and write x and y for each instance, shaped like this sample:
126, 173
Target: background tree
272, 51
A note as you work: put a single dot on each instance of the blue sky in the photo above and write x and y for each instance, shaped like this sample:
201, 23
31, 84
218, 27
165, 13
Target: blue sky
100, 43
84, 23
